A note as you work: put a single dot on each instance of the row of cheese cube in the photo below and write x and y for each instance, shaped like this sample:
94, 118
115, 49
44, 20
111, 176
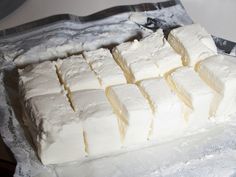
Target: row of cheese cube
98, 132
97, 70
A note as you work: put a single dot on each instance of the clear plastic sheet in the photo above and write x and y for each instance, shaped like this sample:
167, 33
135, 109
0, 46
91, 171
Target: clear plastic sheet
211, 152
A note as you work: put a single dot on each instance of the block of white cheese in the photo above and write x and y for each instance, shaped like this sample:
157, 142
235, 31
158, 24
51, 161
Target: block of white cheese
147, 58
76, 74
38, 79
100, 124
55, 129
167, 107
193, 42
134, 112
107, 70
219, 72
194, 92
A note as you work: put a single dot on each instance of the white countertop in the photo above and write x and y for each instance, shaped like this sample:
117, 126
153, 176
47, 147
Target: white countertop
217, 16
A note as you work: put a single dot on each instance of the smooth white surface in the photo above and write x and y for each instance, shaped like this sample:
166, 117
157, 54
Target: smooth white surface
217, 16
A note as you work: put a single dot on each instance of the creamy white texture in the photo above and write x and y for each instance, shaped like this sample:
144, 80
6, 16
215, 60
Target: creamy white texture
135, 115
58, 133
193, 42
38, 79
77, 74
219, 72
105, 67
71, 38
197, 96
150, 57
100, 124
167, 107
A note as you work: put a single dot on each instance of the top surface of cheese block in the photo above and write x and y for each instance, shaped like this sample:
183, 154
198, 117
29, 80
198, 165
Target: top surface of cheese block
53, 117
147, 58
219, 71
39, 79
91, 104
77, 74
57, 132
193, 42
105, 67
189, 86
130, 97
162, 98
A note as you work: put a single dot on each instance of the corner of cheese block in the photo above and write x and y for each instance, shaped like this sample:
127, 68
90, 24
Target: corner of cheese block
134, 111
100, 124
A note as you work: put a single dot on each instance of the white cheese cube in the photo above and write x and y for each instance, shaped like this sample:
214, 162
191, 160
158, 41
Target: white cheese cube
193, 92
219, 72
193, 42
55, 129
105, 67
99, 122
167, 59
38, 79
135, 61
77, 74
167, 107
134, 111
147, 58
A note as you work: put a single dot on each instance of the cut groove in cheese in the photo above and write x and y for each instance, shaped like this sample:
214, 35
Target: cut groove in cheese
105, 67
99, 122
130, 104
193, 42
85, 142
146, 95
67, 90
